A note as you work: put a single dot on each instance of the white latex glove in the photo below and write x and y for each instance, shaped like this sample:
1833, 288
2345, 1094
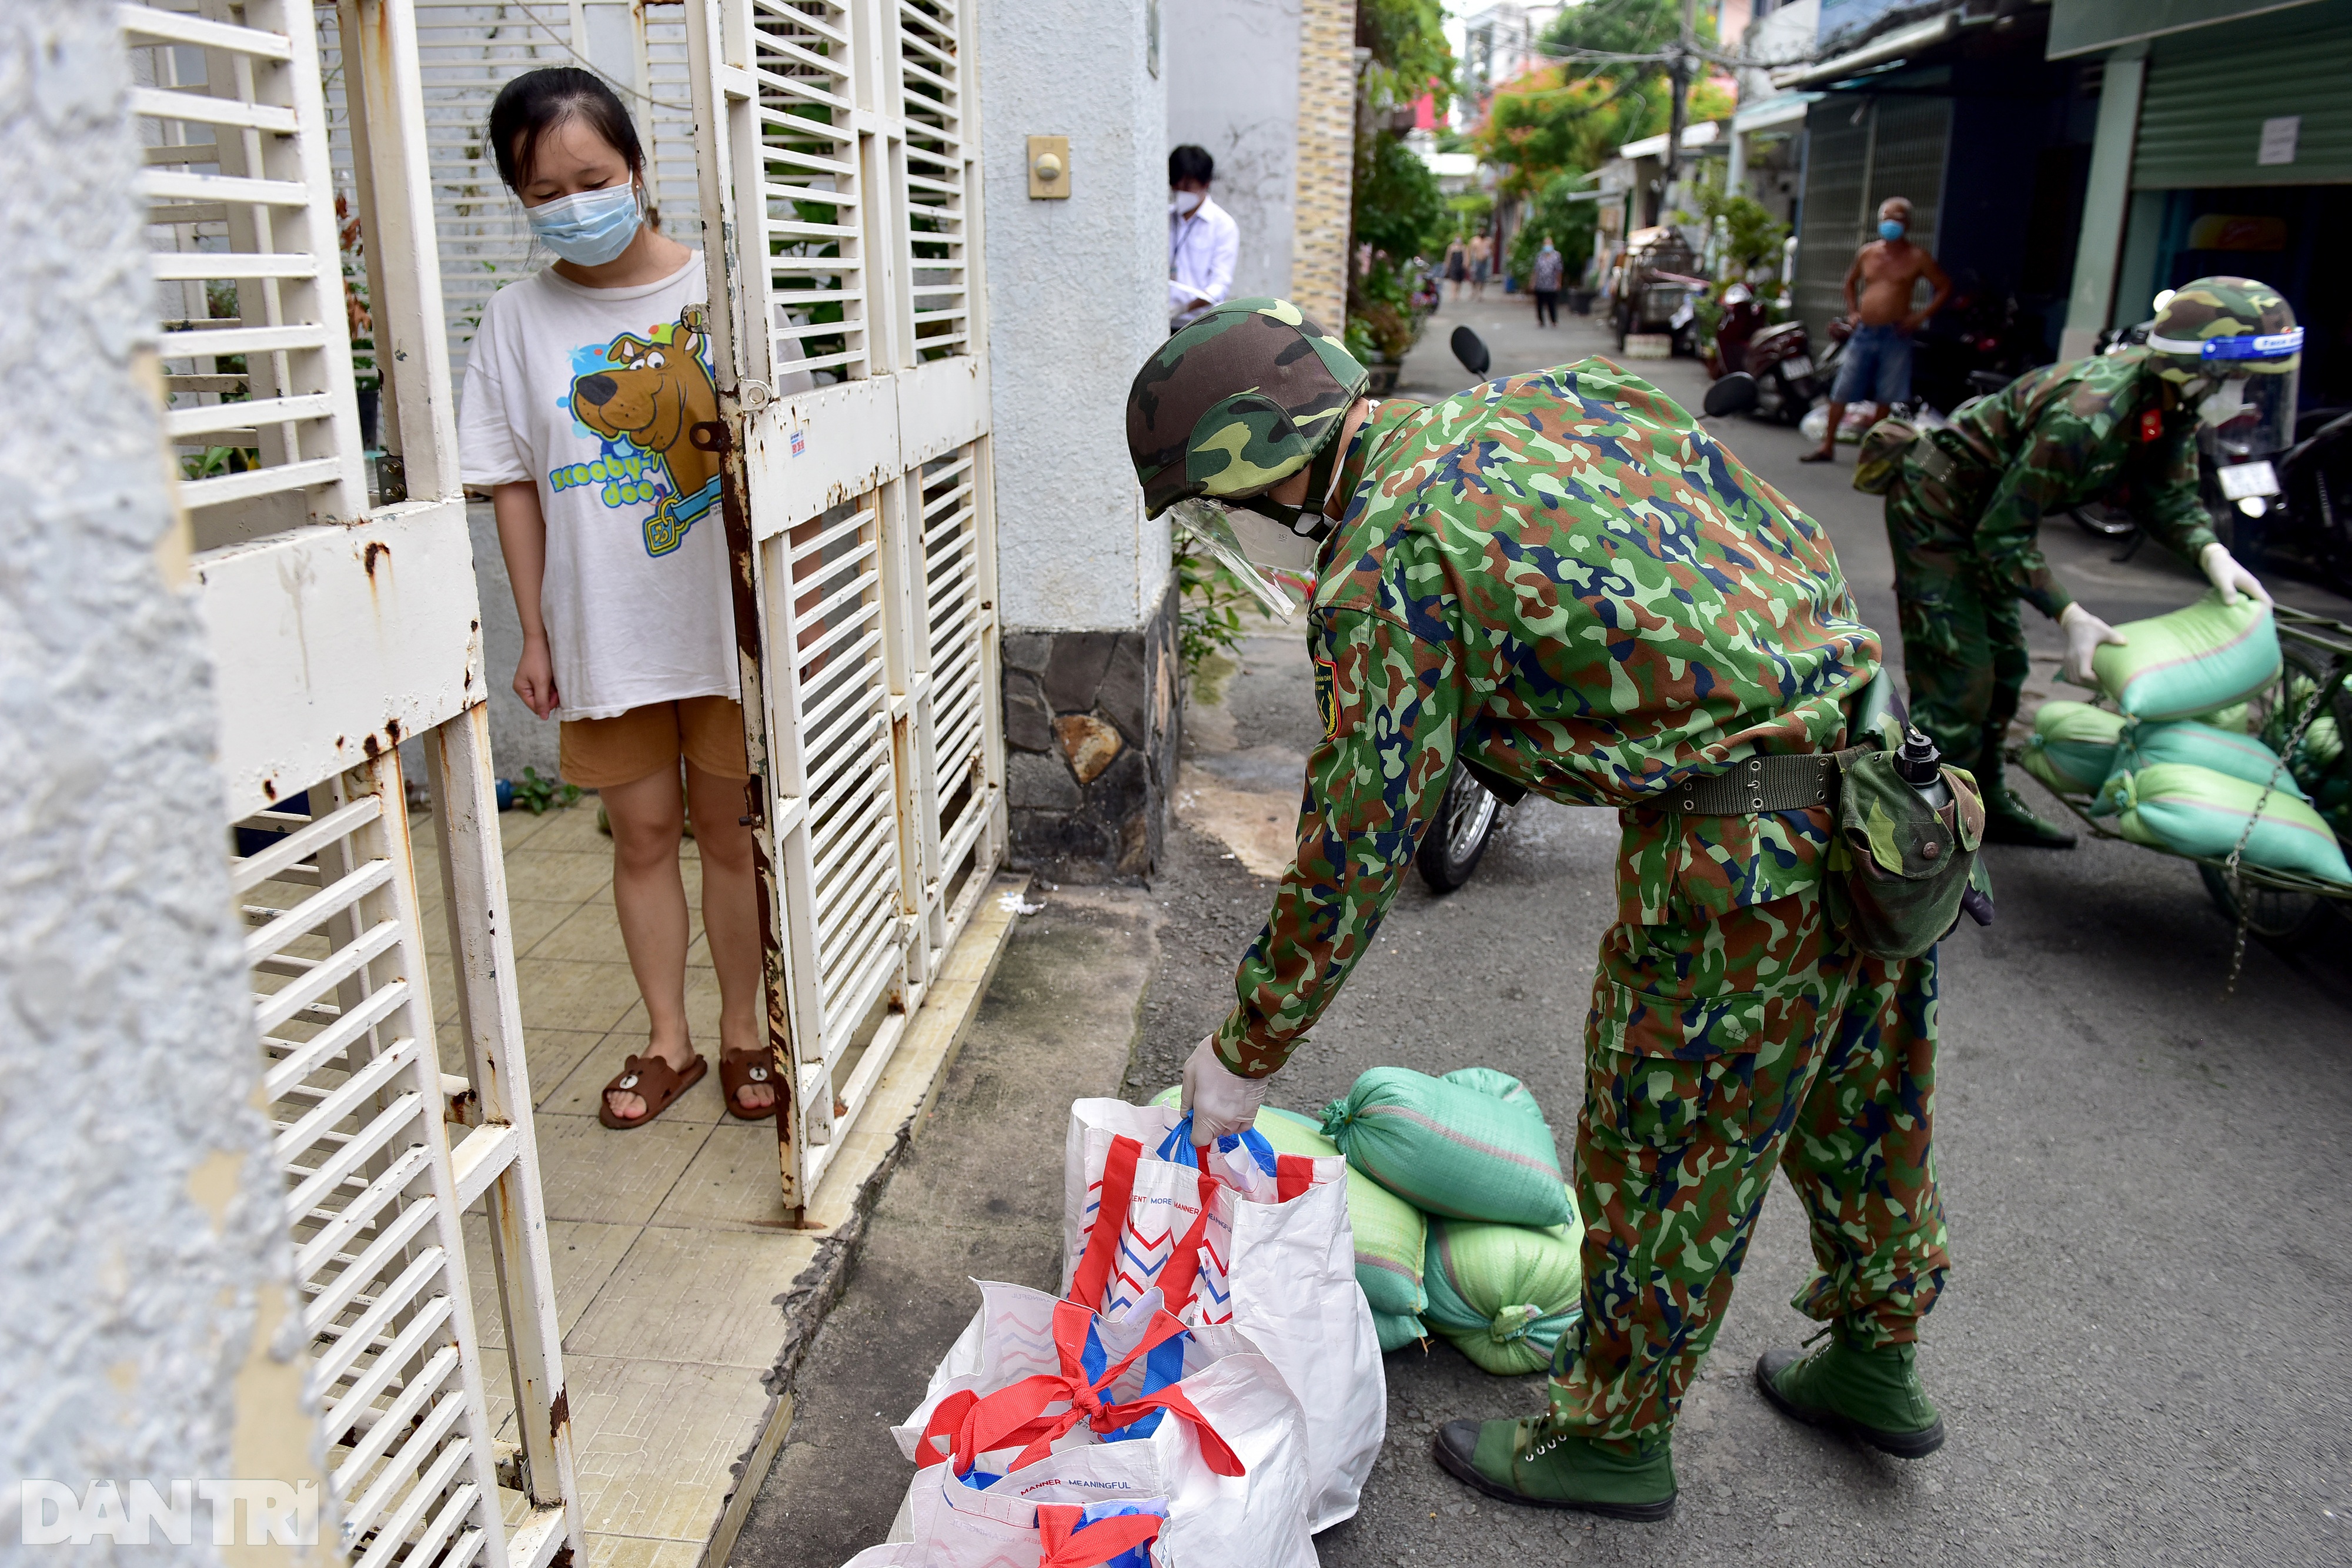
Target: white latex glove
1222, 1101
2084, 632
2222, 570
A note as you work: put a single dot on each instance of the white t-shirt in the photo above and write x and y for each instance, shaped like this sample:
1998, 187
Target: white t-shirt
592, 393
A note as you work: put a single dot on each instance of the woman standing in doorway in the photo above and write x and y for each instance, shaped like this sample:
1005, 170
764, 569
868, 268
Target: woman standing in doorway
583, 388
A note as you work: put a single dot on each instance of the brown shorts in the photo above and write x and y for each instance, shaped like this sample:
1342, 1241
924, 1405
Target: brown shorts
603, 753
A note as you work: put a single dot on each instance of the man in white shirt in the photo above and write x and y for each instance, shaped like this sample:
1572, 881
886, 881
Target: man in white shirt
1202, 239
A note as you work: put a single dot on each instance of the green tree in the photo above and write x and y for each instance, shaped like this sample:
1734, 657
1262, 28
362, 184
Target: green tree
1558, 214
1397, 208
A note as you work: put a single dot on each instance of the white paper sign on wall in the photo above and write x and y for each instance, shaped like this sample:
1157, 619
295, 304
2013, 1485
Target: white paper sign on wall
2278, 139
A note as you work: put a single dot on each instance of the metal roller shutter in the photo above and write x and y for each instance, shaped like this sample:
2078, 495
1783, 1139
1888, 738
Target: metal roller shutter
2200, 122
1897, 149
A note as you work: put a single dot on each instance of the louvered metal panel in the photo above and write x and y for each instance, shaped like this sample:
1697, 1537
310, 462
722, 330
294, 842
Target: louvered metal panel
2207, 96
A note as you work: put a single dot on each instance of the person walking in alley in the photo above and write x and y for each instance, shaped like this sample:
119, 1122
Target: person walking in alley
1202, 238
1482, 263
1966, 505
580, 388
1877, 366
1485, 595
1457, 266
1543, 282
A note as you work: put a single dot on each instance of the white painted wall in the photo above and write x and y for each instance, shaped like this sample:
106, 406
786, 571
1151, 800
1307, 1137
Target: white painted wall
146, 1271
1076, 299
1231, 68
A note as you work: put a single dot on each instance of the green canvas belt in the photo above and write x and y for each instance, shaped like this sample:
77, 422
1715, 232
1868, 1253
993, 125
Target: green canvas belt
1788, 783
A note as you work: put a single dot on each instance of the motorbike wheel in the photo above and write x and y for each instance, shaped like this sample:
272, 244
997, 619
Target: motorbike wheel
2287, 921
2103, 521
1453, 844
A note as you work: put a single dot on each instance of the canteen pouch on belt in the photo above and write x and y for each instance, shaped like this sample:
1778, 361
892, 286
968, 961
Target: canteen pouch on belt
1898, 866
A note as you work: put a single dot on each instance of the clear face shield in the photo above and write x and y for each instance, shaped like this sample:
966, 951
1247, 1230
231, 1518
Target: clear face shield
2245, 417
1275, 564
2246, 396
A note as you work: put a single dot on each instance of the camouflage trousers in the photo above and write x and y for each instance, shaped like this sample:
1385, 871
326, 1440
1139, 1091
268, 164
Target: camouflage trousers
1717, 1049
1963, 639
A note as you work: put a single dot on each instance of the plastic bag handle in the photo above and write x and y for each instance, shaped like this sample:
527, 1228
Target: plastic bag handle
1069, 1545
1093, 1275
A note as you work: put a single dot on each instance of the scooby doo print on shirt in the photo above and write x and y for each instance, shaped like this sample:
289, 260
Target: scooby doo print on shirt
593, 396
643, 397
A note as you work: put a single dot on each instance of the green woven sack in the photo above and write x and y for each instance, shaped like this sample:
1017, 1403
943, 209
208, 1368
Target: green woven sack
2073, 746
1451, 1146
1503, 1294
1391, 1234
2202, 746
2197, 811
2208, 655
1398, 1331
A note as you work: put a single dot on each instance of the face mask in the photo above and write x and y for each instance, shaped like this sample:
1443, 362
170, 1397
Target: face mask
1889, 229
590, 227
1185, 202
2224, 402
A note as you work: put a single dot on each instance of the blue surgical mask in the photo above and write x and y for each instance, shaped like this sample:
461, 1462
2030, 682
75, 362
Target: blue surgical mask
589, 228
1889, 229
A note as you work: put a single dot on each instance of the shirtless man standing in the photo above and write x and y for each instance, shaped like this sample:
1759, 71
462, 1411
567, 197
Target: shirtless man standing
1878, 365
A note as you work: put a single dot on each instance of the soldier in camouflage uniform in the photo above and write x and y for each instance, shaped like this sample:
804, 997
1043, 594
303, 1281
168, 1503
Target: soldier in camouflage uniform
1561, 577
1966, 505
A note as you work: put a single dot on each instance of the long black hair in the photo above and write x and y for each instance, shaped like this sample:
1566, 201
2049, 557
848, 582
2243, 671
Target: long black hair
537, 102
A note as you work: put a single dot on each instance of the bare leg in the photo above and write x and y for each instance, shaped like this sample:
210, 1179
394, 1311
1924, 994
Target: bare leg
1828, 437
649, 898
731, 916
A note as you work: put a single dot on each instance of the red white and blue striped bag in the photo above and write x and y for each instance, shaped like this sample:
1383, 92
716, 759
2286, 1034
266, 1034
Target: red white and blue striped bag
1236, 1235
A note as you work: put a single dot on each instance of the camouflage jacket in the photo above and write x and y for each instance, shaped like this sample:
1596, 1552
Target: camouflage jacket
2063, 435
1562, 575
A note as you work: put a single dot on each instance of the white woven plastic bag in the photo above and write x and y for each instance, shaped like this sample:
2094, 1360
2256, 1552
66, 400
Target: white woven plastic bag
1260, 1243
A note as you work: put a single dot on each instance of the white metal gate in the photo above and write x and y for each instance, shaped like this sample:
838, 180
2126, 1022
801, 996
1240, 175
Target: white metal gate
839, 152
338, 630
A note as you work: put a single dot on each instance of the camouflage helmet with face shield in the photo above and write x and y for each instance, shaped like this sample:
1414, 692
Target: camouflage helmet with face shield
2231, 346
1231, 406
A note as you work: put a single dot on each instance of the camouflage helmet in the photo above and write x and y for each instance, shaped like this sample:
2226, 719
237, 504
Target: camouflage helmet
2223, 326
1237, 402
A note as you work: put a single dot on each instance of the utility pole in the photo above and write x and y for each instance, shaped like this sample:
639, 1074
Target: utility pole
1685, 60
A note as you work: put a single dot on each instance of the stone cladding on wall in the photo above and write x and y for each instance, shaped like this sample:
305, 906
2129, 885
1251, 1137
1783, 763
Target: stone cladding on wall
1326, 159
1092, 720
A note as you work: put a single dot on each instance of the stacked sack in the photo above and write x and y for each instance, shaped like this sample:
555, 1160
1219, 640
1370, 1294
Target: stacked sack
1502, 1274
1463, 1226
2173, 764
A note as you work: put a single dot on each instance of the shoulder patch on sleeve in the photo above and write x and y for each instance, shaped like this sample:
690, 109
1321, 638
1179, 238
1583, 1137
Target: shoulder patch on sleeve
1327, 703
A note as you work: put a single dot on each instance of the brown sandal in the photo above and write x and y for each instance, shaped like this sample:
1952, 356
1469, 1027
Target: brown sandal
741, 1069
651, 1079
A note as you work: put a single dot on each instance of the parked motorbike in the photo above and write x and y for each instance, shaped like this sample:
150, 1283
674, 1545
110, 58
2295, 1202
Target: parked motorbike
1786, 380
1468, 812
1742, 318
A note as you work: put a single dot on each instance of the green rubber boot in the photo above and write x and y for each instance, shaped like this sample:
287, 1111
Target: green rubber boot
1874, 1395
1528, 1461
2007, 819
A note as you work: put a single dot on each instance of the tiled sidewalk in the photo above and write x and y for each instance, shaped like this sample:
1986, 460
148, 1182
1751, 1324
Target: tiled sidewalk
670, 1248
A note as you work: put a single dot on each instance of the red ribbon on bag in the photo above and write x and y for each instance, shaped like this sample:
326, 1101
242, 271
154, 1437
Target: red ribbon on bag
1091, 1281
1069, 1546
1017, 1413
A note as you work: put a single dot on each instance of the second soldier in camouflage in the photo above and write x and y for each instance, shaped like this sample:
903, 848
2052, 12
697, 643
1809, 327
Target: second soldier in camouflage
1561, 576
1966, 504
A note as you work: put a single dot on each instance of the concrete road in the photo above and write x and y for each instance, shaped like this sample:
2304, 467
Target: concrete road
2145, 1353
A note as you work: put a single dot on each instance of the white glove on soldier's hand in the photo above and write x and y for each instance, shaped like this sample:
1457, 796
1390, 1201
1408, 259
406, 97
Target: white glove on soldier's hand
1222, 1101
2222, 570
2084, 632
